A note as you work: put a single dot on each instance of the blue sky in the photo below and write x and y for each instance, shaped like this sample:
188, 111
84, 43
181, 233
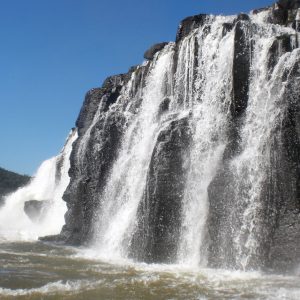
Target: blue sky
53, 51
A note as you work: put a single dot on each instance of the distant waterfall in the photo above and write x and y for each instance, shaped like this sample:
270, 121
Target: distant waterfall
48, 184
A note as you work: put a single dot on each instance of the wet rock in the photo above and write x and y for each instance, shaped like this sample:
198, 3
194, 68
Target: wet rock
284, 12
242, 17
283, 190
227, 27
278, 16
278, 213
221, 207
164, 106
89, 170
157, 234
241, 67
82, 195
149, 54
240, 82
259, 10
57, 239
288, 4
189, 24
281, 45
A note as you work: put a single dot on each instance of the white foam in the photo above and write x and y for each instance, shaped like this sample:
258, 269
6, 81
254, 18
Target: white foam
53, 288
15, 225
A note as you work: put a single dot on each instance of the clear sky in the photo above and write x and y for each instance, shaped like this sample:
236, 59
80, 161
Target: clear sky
53, 51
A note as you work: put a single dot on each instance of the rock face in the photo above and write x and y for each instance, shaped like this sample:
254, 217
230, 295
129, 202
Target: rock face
189, 24
194, 156
149, 54
284, 12
160, 209
91, 165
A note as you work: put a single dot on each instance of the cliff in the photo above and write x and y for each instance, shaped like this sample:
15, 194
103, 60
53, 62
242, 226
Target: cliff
194, 156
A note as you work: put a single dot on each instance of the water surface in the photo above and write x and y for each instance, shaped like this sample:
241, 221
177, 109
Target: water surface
42, 271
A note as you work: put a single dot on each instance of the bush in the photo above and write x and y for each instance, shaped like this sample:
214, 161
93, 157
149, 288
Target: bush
10, 181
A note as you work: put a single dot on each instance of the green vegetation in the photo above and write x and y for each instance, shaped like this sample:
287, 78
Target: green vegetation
10, 181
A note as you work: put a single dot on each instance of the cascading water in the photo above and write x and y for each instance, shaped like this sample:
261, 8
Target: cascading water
244, 235
126, 183
181, 160
48, 184
265, 113
206, 91
210, 104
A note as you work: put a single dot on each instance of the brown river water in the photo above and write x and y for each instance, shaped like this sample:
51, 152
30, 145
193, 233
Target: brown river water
41, 271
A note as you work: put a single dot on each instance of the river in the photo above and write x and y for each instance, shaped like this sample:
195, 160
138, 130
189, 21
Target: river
34, 270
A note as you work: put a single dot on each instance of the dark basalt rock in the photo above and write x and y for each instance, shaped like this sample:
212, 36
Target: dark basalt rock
284, 183
241, 68
284, 12
89, 172
149, 54
206, 29
242, 17
259, 10
279, 16
220, 191
221, 253
107, 95
34, 209
289, 4
281, 45
164, 106
88, 109
157, 233
227, 27
57, 239
91, 180
189, 24
240, 85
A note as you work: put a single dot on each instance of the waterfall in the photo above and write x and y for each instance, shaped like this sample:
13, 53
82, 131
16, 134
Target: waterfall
196, 133
265, 114
190, 158
126, 183
48, 184
211, 100
246, 216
